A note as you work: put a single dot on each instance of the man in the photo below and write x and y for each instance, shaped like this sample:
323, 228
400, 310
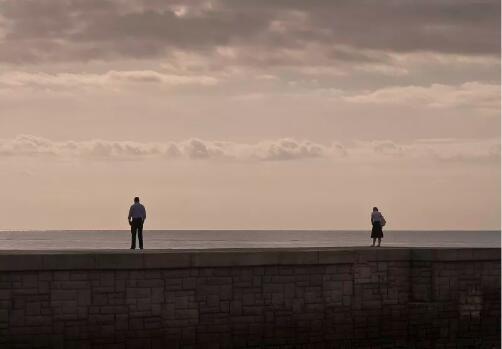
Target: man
136, 218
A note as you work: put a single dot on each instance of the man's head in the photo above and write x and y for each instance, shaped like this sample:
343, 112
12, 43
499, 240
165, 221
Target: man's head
375, 209
136, 199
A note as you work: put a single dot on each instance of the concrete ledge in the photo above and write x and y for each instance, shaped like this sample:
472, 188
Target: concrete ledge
156, 259
456, 254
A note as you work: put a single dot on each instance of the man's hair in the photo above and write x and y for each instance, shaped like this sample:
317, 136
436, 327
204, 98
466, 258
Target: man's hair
136, 199
375, 209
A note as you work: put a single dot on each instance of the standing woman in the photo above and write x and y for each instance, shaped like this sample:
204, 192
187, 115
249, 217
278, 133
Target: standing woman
378, 222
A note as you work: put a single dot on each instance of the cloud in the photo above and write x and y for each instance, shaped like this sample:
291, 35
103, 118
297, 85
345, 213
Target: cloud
469, 94
289, 149
462, 151
65, 80
111, 149
198, 149
286, 149
438, 150
75, 30
28, 145
387, 147
272, 45
195, 149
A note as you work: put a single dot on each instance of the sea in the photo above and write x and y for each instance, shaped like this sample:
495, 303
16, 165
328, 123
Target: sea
216, 239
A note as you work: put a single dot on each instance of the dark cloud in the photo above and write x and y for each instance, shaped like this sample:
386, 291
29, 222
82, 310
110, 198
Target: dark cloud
456, 26
81, 30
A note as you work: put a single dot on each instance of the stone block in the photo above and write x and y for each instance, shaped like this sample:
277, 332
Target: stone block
63, 261
273, 288
33, 308
72, 285
63, 295
5, 294
189, 283
167, 260
186, 313
157, 295
213, 300
298, 257
391, 255
79, 276
114, 261
113, 309
248, 299
151, 283
219, 281
137, 292
336, 257
19, 262
235, 307
212, 259
61, 275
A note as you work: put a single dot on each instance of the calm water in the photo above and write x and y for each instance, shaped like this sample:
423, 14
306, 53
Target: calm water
186, 239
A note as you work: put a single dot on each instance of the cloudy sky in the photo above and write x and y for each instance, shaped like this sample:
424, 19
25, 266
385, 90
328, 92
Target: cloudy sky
250, 114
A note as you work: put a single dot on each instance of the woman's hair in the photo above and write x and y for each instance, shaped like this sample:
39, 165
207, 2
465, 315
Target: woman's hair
375, 208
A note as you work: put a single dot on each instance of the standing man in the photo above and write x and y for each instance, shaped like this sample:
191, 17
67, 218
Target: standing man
136, 218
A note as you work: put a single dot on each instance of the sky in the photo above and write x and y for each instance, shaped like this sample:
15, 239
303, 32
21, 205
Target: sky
250, 114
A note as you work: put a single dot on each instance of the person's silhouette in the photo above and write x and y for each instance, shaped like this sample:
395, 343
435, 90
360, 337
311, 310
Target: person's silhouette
136, 218
377, 221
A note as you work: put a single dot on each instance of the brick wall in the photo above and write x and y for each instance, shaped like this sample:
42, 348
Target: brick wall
330, 298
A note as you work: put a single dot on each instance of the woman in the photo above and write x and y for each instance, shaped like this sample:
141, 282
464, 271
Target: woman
378, 222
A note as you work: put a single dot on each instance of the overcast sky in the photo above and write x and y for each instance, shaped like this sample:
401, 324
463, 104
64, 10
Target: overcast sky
250, 114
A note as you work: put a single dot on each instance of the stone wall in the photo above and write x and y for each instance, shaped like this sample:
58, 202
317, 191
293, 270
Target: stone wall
302, 298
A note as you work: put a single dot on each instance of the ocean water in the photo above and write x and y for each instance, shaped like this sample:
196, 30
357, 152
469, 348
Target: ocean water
202, 239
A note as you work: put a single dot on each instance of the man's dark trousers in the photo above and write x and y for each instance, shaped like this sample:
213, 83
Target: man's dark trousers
137, 226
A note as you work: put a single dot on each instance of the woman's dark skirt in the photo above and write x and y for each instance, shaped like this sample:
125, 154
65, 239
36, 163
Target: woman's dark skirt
377, 232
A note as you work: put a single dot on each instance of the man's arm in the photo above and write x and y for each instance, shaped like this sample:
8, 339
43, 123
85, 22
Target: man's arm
130, 214
144, 213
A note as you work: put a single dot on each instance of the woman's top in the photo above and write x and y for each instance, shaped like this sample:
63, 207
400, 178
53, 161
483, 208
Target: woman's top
376, 216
